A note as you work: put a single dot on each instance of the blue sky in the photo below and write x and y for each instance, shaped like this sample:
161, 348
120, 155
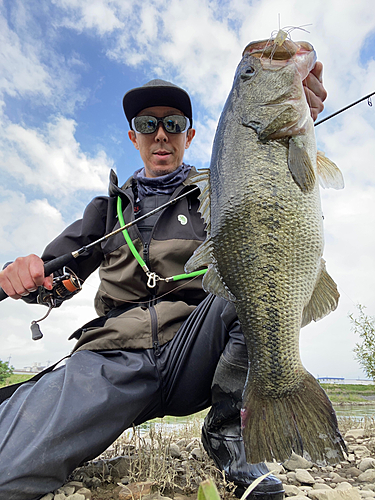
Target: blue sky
64, 68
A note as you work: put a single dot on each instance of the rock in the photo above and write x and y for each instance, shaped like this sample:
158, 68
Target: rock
353, 472
334, 495
191, 445
355, 434
49, 496
304, 477
135, 491
361, 451
291, 477
68, 489
367, 477
366, 463
182, 443
174, 450
119, 466
275, 467
75, 496
93, 482
297, 462
85, 492
367, 494
321, 486
291, 490
60, 496
343, 486
197, 453
77, 484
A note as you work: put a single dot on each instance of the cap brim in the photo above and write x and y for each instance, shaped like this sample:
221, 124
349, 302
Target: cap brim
141, 98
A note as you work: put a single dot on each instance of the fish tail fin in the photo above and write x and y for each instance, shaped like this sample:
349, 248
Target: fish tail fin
302, 421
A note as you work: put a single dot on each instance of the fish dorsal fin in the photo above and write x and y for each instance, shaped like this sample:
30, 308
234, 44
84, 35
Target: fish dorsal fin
324, 299
300, 165
330, 175
202, 180
213, 283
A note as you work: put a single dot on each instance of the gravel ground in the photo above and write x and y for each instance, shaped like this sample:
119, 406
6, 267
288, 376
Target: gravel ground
154, 467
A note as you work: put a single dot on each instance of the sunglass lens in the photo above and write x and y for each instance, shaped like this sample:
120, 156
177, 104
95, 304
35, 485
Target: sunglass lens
145, 124
175, 124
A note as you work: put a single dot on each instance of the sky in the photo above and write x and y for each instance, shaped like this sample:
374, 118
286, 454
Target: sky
64, 68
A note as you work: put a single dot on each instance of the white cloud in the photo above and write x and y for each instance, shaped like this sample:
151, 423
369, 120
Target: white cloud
26, 226
100, 15
51, 159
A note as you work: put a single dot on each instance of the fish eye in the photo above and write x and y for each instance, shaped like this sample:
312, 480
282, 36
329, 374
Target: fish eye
248, 72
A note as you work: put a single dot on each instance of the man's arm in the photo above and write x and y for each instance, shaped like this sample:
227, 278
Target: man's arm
315, 92
25, 274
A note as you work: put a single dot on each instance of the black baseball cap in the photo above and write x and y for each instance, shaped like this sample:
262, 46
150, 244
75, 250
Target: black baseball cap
156, 93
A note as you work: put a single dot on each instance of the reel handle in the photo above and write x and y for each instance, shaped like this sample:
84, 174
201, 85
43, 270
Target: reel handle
49, 268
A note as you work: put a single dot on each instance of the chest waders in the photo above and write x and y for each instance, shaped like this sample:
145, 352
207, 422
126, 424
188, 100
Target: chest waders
221, 432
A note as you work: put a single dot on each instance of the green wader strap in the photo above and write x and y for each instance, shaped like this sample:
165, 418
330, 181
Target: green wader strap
152, 276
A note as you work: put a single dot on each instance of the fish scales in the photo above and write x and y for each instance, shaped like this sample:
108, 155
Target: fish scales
264, 249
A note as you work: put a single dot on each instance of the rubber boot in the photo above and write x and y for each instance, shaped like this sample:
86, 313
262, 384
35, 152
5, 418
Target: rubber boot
221, 434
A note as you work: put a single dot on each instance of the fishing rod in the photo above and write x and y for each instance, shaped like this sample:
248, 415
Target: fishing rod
344, 109
62, 261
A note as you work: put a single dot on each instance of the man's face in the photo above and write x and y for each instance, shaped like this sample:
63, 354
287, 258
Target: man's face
161, 152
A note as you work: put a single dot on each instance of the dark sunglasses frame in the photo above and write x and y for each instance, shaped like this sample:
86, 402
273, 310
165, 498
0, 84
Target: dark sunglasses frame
163, 120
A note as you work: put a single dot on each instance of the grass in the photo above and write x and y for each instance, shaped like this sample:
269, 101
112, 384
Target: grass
16, 379
349, 393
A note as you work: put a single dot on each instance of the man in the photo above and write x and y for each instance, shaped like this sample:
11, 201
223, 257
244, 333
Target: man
157, 346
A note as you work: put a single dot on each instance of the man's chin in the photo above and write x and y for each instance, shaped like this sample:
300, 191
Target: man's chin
159, 170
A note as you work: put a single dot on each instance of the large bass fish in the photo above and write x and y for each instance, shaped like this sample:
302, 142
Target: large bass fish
264, 247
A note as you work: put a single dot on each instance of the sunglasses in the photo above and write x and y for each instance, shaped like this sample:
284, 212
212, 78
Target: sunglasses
173, 124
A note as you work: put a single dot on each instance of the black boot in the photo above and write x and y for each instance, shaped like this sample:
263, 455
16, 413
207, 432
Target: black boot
221, 434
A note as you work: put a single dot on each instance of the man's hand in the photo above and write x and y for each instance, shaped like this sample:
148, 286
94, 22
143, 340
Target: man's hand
315, 93
23, 276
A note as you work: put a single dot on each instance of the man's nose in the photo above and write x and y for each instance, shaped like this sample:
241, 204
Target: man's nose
161, 134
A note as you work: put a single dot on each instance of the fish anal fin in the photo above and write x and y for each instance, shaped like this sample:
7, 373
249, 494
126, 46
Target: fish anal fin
200, 258
213, 283
300, 165
330, 175
302, 421
324, 299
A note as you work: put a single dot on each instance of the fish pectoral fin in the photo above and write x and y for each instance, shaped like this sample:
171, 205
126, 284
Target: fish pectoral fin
300, 165
324, 299
200, 258
213, 283
330, 175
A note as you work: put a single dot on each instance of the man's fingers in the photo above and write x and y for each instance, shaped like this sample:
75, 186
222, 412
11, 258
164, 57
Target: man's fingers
315, 92
23, 276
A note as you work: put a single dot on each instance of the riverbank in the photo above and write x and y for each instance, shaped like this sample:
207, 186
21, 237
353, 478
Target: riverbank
164, 464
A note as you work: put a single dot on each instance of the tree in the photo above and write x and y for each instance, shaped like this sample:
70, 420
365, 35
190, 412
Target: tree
364, 352
5, 370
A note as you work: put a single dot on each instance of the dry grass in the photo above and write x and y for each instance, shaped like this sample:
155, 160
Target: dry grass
150, 458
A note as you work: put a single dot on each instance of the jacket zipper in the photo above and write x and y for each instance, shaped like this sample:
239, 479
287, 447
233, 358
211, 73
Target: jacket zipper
151, 307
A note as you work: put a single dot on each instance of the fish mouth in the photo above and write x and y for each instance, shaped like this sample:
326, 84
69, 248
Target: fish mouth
280, 52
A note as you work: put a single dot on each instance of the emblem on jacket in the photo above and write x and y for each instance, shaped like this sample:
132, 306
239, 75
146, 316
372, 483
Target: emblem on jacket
182, 219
